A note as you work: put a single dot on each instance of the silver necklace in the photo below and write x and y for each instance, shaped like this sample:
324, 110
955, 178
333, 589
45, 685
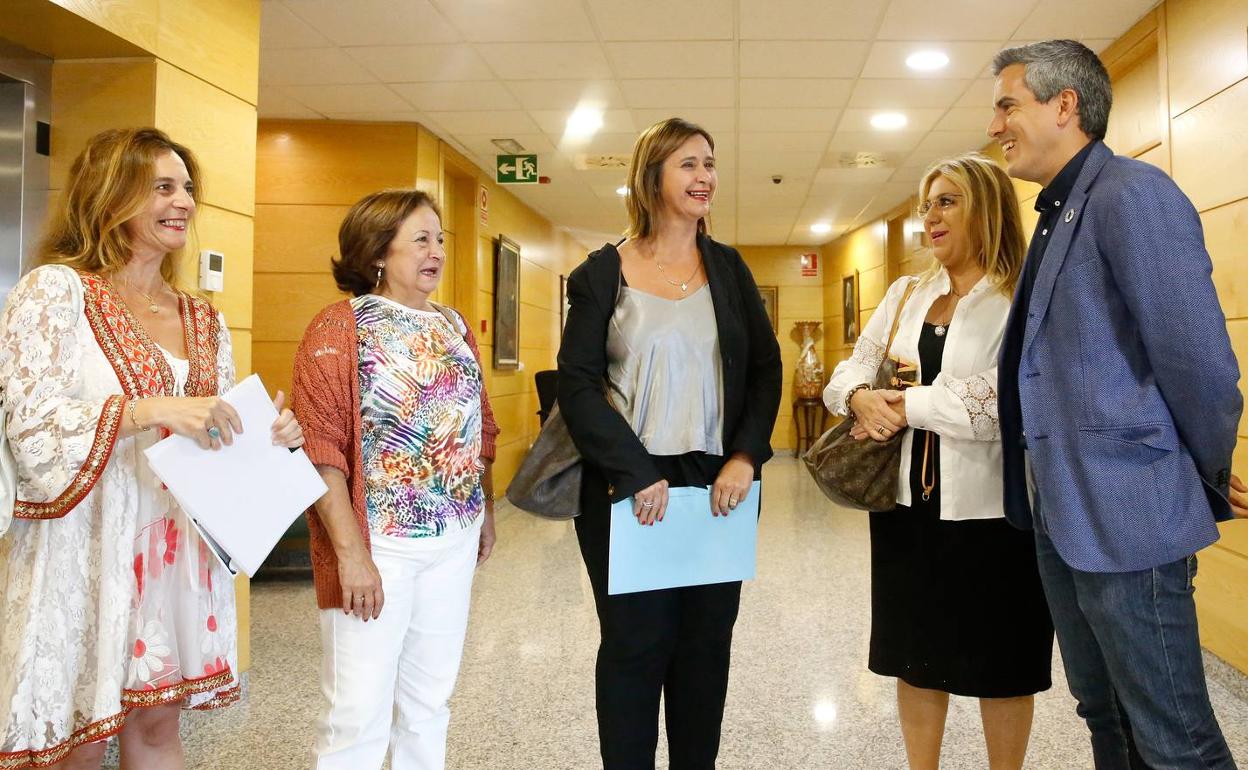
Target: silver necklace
941, 328
152, 305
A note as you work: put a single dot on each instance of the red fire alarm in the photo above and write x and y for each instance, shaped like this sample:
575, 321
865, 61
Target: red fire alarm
810, 264
483, 323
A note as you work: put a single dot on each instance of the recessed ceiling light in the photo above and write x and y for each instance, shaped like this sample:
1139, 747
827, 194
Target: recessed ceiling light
509, 146
622, 190
821, 228
585, 121
888, 121
927, 61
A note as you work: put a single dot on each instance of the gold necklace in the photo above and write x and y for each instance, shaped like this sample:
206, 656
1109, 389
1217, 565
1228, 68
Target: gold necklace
151, 300
684, 285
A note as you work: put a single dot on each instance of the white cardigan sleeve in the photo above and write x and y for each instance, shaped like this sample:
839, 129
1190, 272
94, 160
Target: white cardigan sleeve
958, 408
861, 366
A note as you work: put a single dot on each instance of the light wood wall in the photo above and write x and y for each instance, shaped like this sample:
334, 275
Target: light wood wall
1180, 103
800, 298
310, 172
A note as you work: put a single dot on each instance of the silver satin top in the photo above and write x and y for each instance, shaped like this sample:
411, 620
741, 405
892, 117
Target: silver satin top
664, 372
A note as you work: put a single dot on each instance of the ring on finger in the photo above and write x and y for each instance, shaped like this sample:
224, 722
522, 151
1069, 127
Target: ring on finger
214, 432
647, 504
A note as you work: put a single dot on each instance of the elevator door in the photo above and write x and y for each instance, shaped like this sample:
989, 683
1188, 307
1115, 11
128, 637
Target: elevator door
12, 146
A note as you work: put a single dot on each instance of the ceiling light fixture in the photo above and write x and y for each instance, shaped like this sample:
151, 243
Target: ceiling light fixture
927, 61
622, 190
821, 228
583, 122
888, 121
509, 146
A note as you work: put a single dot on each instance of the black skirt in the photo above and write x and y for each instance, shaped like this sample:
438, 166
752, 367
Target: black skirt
955, 605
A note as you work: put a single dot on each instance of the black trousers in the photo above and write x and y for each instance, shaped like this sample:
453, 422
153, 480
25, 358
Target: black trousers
675, 642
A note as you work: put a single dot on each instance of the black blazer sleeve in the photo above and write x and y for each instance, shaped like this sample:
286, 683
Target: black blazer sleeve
600, 433
764, 372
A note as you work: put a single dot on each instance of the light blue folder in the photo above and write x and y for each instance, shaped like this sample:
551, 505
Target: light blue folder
689, 547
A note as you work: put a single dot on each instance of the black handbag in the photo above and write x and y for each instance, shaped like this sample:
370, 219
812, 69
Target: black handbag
861, 474
548, 481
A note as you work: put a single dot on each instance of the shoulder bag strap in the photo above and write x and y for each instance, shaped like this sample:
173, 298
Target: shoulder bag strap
897, 317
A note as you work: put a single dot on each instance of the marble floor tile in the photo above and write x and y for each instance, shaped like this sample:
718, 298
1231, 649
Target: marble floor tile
800, 696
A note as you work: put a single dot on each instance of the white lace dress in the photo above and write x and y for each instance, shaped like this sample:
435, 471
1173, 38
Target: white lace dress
109, 600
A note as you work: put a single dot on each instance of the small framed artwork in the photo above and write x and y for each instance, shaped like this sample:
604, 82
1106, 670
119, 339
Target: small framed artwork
563, 301
506, 304
771, 301
849, 308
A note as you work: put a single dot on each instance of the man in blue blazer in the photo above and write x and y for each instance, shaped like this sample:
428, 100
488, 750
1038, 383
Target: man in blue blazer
1118, 406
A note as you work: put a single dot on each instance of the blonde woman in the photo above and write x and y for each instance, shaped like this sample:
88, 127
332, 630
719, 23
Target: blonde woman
956, 601
113, 612
673, 323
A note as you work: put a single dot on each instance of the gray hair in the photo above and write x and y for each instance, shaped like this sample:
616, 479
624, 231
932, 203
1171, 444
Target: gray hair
1052, 66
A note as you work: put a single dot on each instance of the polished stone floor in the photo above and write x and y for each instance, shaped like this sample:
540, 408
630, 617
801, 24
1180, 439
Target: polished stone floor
800, 696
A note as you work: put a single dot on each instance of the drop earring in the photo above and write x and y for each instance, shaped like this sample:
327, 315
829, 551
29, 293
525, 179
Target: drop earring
380, 267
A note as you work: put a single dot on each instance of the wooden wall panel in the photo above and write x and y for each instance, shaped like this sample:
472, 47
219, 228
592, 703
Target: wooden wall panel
1209, 139
216, 40
91, 96
1238, 328
1207, 49
240, 341
1222, 594
218, 127
81, 30
286, 302
295, 238
230, 233
1226, 237
1135, 121
272, 361
332, 163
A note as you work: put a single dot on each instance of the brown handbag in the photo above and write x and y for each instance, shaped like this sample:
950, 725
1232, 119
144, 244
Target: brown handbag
548, 481
861, 474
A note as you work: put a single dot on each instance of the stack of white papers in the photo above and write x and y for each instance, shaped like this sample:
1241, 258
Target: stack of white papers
242, 498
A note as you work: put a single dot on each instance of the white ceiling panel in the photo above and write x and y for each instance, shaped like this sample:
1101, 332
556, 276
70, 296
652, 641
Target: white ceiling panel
787, 87
811, 19
546, 61
1080, 20
310, 66
768, 93
714, 120
376, 22
917, 119
966, 59
961, 20
417, 63
767, 142
875, 141
457, 96
502, 123
794, 120
802, 58
663, 19
348, 98
482, 144
279, 28
276, 103
567, 94
967, 119
902, 94
554, 122
680, 94
685, 59
491, 21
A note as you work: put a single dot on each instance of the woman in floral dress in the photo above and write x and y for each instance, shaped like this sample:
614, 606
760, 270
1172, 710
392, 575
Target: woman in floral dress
113, 612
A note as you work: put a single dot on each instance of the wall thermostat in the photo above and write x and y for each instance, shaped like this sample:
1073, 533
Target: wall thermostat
211, 270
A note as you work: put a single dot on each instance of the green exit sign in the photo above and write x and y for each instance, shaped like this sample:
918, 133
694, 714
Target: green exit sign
515, 169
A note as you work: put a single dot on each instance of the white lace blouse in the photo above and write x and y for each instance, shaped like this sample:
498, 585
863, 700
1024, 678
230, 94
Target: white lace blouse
961, 403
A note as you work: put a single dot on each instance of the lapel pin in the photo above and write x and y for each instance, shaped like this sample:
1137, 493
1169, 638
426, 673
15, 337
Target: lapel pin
1070, 214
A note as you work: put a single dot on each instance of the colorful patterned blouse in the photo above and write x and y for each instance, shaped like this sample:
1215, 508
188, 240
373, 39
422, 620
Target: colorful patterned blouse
420, 394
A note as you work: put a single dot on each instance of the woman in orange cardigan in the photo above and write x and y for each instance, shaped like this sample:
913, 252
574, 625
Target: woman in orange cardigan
390, 391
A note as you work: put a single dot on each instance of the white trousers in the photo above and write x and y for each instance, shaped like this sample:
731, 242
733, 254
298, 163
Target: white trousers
386, 682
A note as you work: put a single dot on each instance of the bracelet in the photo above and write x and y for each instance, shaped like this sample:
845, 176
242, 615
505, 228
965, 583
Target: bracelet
130, 408
850, 395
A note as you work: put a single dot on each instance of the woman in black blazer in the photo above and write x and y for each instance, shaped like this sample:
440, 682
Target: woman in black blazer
669, 374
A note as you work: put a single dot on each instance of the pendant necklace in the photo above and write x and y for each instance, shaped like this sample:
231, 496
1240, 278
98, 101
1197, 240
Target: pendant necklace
684, 285
151, 300
941, 328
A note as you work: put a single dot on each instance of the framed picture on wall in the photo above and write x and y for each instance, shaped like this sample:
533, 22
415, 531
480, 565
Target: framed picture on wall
771, 301
506, 304
849, 308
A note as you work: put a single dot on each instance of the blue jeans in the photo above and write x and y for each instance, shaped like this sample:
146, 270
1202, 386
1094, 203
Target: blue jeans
1132, 657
